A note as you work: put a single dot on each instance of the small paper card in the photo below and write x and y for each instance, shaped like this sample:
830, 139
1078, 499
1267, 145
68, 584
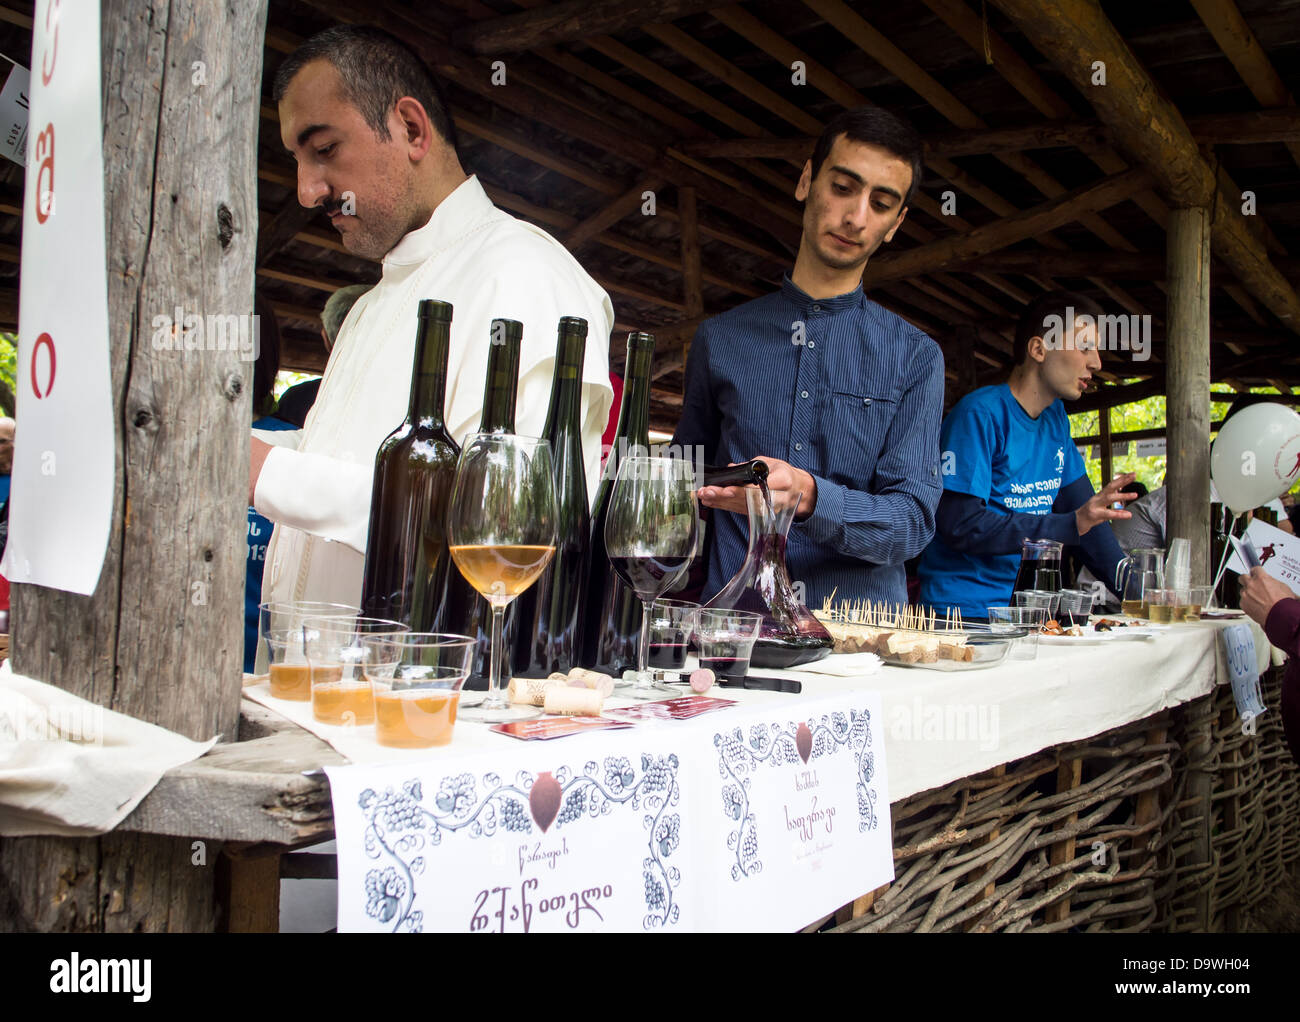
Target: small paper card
678, 708
1277, 552
547, 728
1239, 652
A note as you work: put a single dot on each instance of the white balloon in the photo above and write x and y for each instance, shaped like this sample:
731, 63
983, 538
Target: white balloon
1256, 455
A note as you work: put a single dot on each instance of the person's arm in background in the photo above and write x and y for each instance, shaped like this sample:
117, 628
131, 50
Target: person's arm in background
895, 520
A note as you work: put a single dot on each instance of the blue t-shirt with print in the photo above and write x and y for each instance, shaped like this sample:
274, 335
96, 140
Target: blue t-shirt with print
259, 535
991, 449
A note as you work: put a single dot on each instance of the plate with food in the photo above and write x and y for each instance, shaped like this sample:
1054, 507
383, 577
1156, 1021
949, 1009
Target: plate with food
1102, 630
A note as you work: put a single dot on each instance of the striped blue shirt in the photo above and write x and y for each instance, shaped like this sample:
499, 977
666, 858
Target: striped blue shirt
844, 390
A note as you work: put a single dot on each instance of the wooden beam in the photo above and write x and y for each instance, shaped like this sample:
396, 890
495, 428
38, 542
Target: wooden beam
612, 212
991, 237
1107, 449
1187, 407
1073, 34
690, 243
1240, 46
283, 228
568, 21
727, 72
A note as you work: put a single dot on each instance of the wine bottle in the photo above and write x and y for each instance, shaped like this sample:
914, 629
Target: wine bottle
748, 473
549, 615
465, 612
406, 565
612, 623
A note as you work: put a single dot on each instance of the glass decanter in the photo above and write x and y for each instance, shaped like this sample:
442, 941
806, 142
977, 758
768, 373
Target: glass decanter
790, 635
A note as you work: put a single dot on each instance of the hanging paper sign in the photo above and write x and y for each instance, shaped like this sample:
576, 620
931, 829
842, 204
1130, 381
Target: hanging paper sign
62, 487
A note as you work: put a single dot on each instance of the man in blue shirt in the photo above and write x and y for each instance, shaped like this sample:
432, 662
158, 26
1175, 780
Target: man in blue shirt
841, 398
1011, 471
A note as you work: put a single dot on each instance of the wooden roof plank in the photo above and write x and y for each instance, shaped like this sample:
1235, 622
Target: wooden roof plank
1075, 33
568, 21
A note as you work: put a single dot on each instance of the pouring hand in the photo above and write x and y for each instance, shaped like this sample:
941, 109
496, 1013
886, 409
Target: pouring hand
1098, 509
782, 477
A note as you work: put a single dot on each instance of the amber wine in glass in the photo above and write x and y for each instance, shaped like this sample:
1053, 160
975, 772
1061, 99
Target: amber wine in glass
501, 527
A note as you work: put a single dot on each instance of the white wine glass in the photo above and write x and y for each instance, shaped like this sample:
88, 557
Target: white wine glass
501, 528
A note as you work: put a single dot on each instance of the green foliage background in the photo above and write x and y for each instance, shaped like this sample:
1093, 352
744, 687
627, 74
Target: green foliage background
1148, 414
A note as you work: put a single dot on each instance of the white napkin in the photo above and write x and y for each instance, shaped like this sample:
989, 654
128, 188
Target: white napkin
843, 665
71, 768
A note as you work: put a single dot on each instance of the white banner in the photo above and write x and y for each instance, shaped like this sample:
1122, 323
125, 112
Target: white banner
742, 819
1151, 448
62, 489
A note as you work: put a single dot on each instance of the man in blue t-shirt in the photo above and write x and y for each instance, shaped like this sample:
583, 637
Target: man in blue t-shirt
1011, 471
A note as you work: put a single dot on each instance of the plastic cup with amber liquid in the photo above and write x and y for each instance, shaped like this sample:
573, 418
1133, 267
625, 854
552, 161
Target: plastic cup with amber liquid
289, 674
417, 679
1198, 598
1160, 605
336, 655
288, 617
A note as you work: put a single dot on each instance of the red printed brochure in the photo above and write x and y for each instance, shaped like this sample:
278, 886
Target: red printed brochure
679, 708
545, 728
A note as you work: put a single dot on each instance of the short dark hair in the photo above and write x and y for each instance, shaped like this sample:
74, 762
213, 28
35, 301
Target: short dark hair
1033, 321
873, 125
376, 70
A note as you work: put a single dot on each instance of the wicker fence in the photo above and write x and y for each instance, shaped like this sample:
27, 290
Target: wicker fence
1180, 822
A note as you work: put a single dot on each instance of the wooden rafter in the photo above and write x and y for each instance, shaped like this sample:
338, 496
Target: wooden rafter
991, 237
1075, 33
1240, 46
568, 21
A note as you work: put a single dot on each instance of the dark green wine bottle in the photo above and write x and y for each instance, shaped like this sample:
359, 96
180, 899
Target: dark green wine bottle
407, 560
465, 611
549, 613
612, 622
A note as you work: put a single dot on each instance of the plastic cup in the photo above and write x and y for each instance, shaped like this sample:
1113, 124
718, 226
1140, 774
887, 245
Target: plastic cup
726, 640
1198, 597
1076, 605
283, 617
1160, 605
288, 669
341, 691
416, 678
672, 624
1002, 619
1039, 599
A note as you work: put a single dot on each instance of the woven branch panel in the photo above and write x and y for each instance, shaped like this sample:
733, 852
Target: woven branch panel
1176, 822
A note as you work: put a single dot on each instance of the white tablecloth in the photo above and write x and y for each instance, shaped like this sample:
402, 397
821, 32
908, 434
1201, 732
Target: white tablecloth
940, 726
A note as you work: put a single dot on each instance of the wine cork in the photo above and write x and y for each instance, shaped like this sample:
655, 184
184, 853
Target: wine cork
573, 702
531, 691
596, 680
701, 680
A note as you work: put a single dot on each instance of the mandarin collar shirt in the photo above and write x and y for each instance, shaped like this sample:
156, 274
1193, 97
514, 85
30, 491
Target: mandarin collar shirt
846, 391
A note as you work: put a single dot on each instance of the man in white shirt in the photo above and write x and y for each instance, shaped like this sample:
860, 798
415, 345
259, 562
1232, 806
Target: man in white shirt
375, 147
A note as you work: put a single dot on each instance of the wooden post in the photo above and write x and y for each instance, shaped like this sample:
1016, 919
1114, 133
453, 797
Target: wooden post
1187, 407
162, 636
1104, 445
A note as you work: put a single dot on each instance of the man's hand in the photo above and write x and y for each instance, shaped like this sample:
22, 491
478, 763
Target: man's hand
1260, 591
782, 477
1099, 509
256, 459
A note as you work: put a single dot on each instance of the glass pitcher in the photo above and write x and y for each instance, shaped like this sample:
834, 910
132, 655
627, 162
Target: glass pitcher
789, 634
1137, 575
1040, 566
